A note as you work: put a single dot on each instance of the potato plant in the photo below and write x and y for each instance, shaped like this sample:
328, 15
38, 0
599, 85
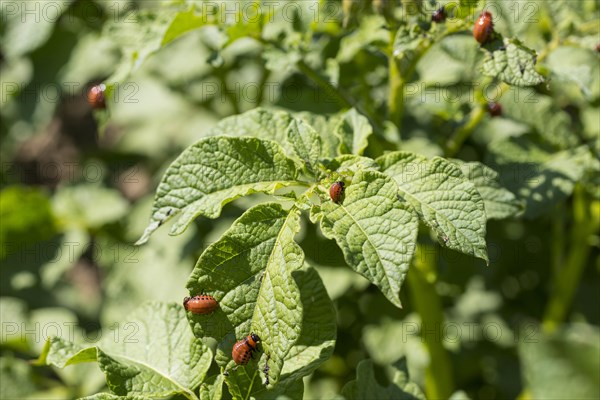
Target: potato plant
456, 257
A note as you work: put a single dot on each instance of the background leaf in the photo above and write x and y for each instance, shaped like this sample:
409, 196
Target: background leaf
536, 174
562, 365
366, 386
155, 354
499, 202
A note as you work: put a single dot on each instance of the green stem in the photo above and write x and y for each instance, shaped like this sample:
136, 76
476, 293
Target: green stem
567, 279
342, 99
464, 132
396, 95
261, 86
251, 383
230, 95
438, 376
329, 89
558, 238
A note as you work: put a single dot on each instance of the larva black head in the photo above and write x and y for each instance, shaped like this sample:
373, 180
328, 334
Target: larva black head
439, 15
495, 109
255, 337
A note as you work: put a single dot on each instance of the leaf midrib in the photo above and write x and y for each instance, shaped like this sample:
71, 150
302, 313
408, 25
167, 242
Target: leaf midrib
291, 212
138, 362
371, 243
457, 230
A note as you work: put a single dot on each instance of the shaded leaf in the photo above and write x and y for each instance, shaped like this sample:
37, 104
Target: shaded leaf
576, 65
562, 365
537, 174
366, 386
27, 218
371, 32
541, 112
499, 202
212, 388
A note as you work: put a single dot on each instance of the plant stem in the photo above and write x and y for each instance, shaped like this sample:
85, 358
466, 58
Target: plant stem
261, 86
567, 278
396, 98
230, 94
463, 133
396, 95
342, 99
438, 376
329, 89
455, 143
558, 238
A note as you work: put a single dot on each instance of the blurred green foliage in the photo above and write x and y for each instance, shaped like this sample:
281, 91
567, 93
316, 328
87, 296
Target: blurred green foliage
77, 186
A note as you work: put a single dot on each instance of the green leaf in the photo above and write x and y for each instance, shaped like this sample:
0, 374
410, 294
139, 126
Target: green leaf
499, 202
249, 272
27, 219
317, 338
212, 173
372, 32
26, 29
153, 354
258, 122
543, 114
89, 206
459, 58
324, 126
536, 173
350, 163
513, 64
443, 197
306, 142
314, 345
139, 34
182, 23
16, 377
465, 8
576, 65
353, 131
212, 388
563, 365
366, 386
109, 396
409, 45
376, 232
